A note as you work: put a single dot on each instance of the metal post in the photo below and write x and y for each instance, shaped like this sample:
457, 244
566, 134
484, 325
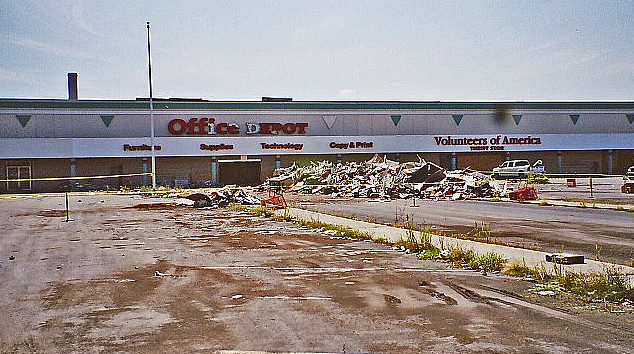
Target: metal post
145, 179
278, 161
73, 173
67, 212
149, 67
214, 171
591, 196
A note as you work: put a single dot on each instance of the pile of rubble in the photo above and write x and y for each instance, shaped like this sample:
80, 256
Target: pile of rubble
383, 178
222, 197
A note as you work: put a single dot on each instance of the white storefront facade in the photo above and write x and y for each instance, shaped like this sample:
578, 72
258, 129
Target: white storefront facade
61, 138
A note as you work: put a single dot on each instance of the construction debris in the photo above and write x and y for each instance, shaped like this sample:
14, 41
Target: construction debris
376, 178
222, 197
526, 193
383, 178
274, 201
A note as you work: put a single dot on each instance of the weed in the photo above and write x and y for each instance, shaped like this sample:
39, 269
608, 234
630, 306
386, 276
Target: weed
382, 240
610, 285
597, 251
370, 219
253, 210
537, 178
490, 261
430, 253
410, 243
146, 189
236, 207
544, 202
342, 230
540, 274
481, 232
459, 256
283, 217
427, 229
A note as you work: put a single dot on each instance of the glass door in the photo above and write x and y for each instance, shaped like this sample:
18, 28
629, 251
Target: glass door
23, 176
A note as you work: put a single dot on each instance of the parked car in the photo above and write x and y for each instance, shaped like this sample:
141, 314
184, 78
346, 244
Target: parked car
517, 168
630, 173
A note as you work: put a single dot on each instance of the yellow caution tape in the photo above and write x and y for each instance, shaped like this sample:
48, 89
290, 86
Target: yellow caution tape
72, 178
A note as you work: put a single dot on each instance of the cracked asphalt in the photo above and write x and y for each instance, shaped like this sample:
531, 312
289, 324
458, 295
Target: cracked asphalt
142, 275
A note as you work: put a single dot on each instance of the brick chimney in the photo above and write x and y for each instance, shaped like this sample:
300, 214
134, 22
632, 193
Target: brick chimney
72, 86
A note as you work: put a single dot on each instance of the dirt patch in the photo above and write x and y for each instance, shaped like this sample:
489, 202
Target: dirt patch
52, 213
157, 206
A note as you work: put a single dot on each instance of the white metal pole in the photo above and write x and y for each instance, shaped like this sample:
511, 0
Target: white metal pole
149, 66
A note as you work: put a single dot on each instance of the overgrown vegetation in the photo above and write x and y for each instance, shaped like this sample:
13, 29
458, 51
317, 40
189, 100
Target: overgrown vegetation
490, 261
610, 285
422, 245
537, 178
481, 232
340, 230
260, 211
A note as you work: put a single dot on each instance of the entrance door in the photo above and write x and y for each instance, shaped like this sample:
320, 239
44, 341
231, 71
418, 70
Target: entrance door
20, 173
239, 172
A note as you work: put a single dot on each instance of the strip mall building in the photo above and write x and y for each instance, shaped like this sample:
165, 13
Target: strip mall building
242, 142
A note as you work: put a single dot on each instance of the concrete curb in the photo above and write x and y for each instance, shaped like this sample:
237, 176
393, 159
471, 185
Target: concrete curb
589, 204
554, 202
512, 254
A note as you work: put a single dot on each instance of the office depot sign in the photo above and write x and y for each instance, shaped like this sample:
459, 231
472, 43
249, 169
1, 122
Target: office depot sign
209, 126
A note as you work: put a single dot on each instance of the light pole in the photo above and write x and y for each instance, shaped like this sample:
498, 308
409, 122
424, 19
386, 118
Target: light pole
149, 67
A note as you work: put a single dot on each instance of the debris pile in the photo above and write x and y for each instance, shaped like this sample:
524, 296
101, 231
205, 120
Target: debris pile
464, 184
222, 197
383, 178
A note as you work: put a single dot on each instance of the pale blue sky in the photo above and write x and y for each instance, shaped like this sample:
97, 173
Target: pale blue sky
321, 50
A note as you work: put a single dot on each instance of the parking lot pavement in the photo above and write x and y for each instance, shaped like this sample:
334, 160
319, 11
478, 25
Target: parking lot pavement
130, 274
604, 190
604, 234
517, 255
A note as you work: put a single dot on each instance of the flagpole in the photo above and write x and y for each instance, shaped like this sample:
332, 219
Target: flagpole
149, 66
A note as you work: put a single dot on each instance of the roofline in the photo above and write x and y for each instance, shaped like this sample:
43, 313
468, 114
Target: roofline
162, 104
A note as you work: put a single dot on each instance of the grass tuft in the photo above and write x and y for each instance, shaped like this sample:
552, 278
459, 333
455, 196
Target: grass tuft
610, 285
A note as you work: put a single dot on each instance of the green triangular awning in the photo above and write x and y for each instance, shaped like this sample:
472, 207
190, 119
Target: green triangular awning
457, 118
574, 118
395, 120
107, 120
329, 120
23, 119
517, 118
630, 118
